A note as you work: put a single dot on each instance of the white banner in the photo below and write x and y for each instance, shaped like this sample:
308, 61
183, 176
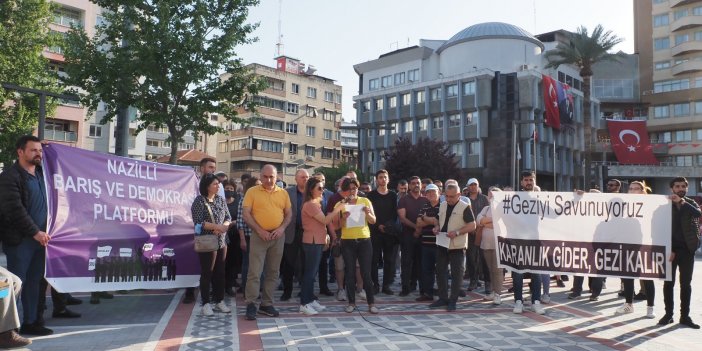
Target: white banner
594, 234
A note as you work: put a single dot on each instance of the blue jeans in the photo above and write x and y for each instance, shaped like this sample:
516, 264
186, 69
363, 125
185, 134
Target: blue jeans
26, 261
534, 286
361, 250
426, 281
313, 254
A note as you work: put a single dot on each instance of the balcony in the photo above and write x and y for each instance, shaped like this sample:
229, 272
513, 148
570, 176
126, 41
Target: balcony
686, 48
676, 3
686, 22
260, 132
257, 155
687, 67
62, 136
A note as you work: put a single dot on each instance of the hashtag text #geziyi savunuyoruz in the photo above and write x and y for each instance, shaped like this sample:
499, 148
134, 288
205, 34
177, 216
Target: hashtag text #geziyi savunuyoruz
544, 206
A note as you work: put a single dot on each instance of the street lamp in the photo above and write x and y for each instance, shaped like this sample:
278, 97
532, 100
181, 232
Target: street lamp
514, 170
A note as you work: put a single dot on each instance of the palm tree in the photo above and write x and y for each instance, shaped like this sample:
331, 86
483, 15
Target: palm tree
584, 51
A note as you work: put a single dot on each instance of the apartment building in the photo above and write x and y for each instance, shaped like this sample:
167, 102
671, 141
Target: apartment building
297, 123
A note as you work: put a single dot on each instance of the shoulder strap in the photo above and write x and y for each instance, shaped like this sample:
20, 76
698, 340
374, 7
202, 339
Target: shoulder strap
209, 209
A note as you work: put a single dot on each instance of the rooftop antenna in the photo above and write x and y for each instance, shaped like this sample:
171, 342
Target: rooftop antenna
279, 50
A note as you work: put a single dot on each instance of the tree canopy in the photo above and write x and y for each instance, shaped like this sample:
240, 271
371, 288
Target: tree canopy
427, 158
23, 36
165, 58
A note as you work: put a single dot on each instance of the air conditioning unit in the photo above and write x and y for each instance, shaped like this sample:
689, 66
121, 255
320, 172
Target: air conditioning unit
523, 67
309, 158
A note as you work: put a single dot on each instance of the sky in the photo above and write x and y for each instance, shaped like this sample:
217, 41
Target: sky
334, 35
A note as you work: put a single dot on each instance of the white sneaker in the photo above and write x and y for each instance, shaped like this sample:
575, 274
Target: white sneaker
489, 297
207, 310
308, 310
341, 295
497, 300
362, 295
316, 305
537, 308
222, 307
626, 308
545, 299
518, 307
649, 312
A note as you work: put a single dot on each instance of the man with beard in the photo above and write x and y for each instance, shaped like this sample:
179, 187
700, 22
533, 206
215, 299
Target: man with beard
401, 188
685, 240
23, 203
408, 211
384, 231
528, 183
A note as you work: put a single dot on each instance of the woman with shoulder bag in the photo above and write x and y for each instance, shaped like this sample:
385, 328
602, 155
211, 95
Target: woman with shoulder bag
314, 240
211, 217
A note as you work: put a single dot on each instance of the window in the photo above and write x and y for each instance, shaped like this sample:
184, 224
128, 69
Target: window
379, 104
452, 90
292, 149
613, 88
293, 108
681, 38
660, 20
58, 48
437, 122
295, 88
311, 92
337, 135
421, 124
394, 128
264, 101
406, 99
699, 136
327, 153
419, 96
267, 124
457, 149
435, 94
386, 81
469, 88
327, 134
311, 111
698, 107
683, 161
291, 128
662, 65
310, 131
683, 135
413, 75
271, 146
328, 96
661, 137
671, 85
454, 120
392, 102
697, 11
399, 78
328, 115
473, 148
67, 17
661, 111
661, 43
309, 150
469, 118
373, 84
680, 14
698, 35
223, 146
337, 98
95, 131
680, 110
366, 106
407, 126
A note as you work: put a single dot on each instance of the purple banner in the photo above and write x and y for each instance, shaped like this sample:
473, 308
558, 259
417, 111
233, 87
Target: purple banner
118, 223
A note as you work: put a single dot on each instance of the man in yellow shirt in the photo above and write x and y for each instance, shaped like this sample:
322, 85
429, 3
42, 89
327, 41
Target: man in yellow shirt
267, 211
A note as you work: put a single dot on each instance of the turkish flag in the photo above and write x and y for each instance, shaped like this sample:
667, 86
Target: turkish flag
630, 142
550, 90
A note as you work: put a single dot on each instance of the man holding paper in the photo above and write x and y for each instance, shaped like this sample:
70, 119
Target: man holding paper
455, 222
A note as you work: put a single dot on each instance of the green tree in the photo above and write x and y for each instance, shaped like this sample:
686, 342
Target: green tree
23, 37
332, 174
427, 158
170, 64
583, 51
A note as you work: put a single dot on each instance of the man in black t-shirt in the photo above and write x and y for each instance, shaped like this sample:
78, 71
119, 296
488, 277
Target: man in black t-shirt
428, 239
384, 232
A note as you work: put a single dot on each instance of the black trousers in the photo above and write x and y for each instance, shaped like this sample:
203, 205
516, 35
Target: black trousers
685, 261
409, 261
232, 266
385, 245
293, 261
212, 274
444, 258
58, 299
594, 283
648, 286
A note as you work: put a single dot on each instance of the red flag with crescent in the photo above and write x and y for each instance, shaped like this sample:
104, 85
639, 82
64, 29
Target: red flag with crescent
630, 142
550, 91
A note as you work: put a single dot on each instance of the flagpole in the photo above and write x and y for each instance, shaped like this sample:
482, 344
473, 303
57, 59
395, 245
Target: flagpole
555, 180
534, 135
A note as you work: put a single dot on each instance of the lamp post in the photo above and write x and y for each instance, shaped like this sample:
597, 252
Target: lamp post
514, 170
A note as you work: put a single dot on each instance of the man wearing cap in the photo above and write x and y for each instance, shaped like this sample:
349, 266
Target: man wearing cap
427, 215
474, 261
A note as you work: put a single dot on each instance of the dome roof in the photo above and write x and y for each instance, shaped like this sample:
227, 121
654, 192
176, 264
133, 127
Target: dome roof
490, 30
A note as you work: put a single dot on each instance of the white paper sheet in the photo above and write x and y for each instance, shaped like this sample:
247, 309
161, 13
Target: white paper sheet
443, 240
356, 218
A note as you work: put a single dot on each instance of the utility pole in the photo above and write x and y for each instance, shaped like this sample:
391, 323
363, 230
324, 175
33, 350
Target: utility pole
42, 102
